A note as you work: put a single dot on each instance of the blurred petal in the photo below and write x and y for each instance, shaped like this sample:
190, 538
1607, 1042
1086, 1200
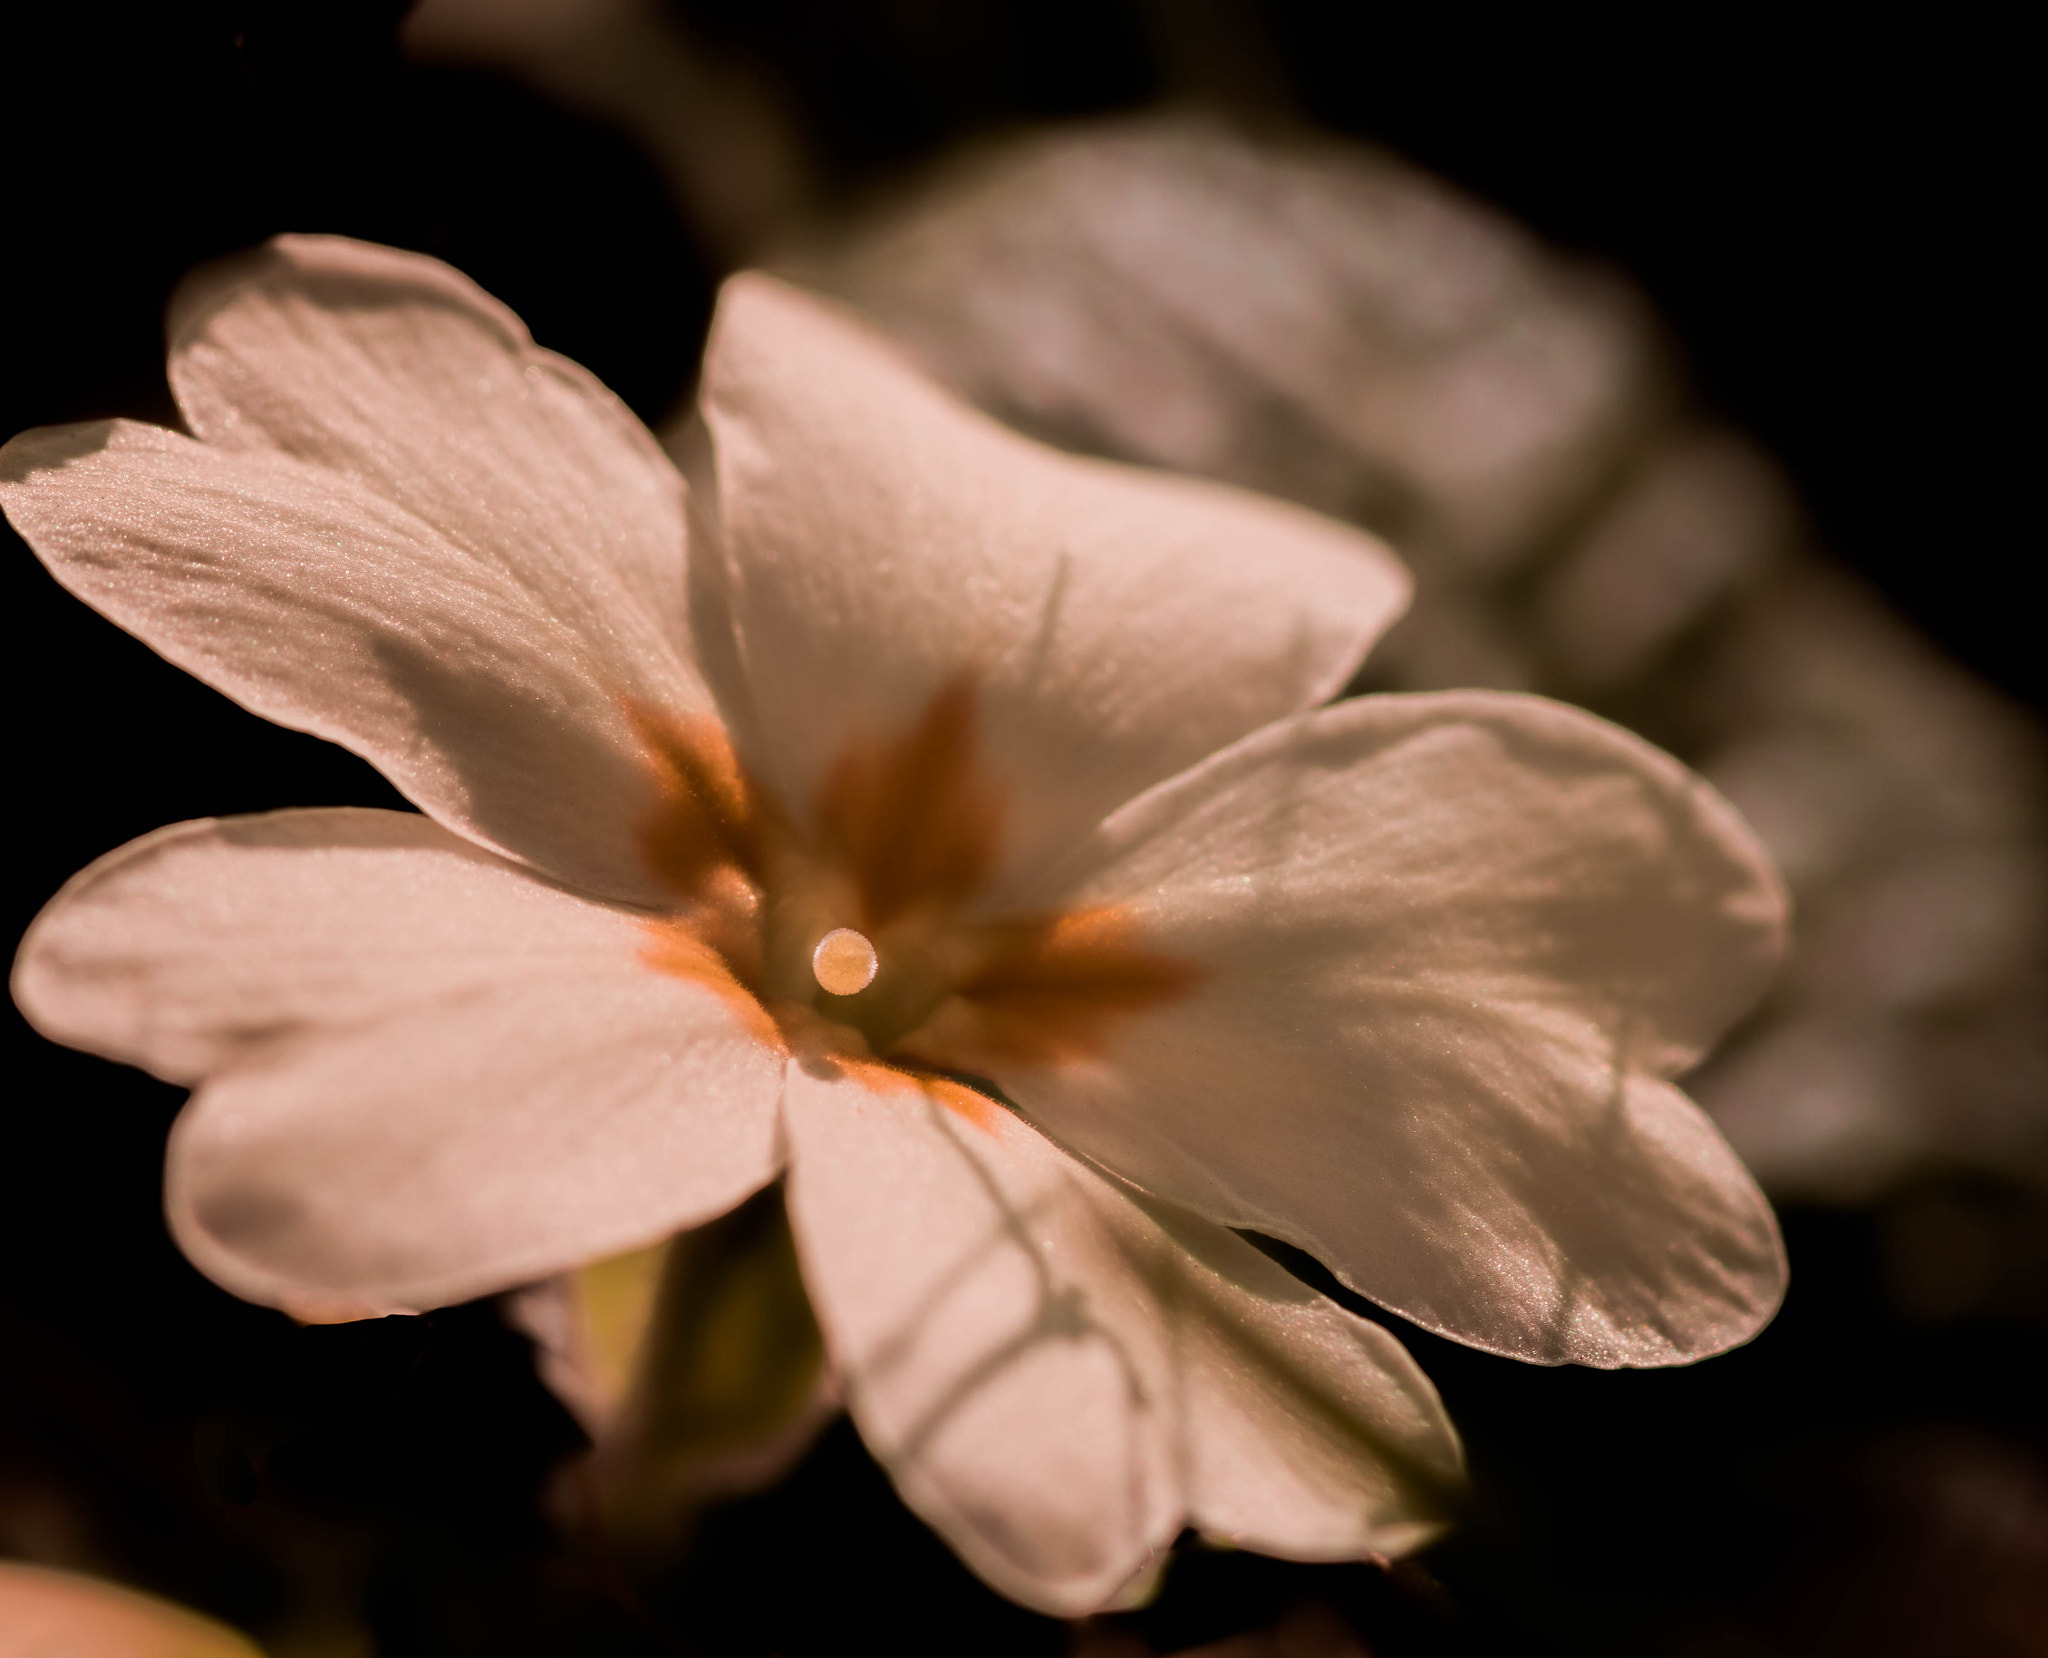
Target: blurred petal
1058, 1376
881, 542
407, 530
1453, 942
202, 943
46, 1613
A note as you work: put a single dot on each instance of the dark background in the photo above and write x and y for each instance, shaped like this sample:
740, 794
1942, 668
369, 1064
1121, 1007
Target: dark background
1829, 218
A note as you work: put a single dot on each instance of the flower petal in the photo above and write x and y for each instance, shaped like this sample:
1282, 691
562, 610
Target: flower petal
882, 542
406, 529
194, 946
1308, 1432
1452, 945
429, 1074
46, 1613
482, 1142
1059, 1375
399, 372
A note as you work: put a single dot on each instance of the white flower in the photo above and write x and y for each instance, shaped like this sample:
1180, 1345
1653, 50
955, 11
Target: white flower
1038, 743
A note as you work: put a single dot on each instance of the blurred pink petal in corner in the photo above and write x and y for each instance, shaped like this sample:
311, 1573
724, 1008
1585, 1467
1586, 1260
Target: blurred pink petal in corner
45, 1613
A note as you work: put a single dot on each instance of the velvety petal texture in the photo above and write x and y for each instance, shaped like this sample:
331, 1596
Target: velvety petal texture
427, 1075
880, 541
402, 526
1060, 1374
1454, 944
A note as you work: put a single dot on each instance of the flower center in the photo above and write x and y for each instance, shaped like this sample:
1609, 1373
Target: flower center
844, 962
901, 838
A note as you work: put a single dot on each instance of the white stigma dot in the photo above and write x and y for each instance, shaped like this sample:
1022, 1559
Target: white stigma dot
844, 962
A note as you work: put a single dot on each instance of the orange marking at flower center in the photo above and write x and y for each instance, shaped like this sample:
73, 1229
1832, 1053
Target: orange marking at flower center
1052, 995
902, 835
913, 821
676, 947
710, 821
